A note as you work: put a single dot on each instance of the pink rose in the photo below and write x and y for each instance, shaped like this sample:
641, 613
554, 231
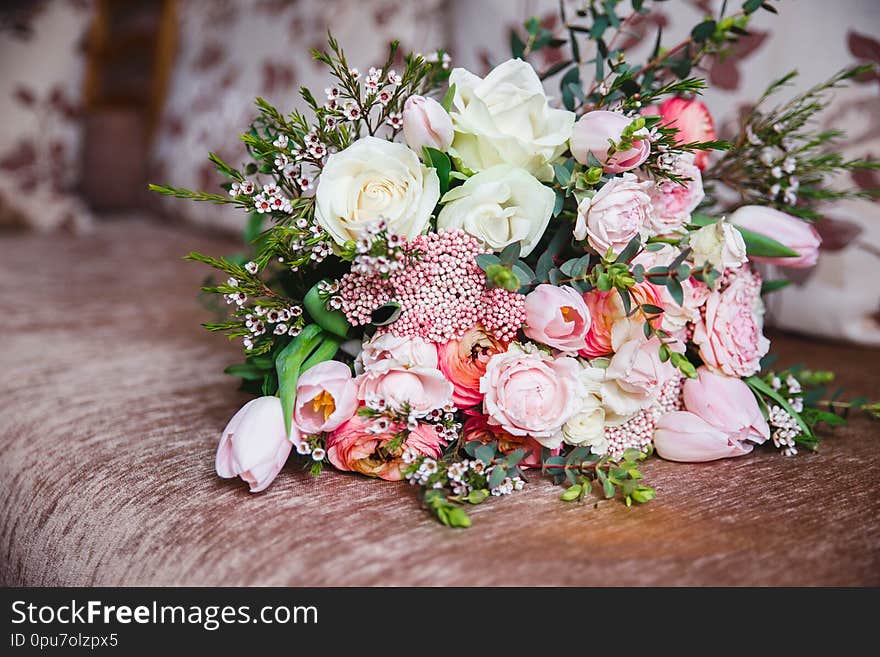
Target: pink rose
326, 396
618, 212
591, 134
557, 317
254, 445
693, 121
529, 393
606, 310
354, 447
684, 436
673, 202
726, 403
730, 337
634, 375
794, 233
477, 427
403, 370
463, 362
426, 123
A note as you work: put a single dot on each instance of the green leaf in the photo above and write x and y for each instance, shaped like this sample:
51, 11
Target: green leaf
608, 488
288, 365
477, 495
630, 250
448, 97
765, 247
497, 476
704, 31
571, 493
517, 46
442, 165
756, 383
253, 228
245, 371
458, 518
333, 321
485, 453
510, 254
484, 260
675, 290
751, 6
772, 286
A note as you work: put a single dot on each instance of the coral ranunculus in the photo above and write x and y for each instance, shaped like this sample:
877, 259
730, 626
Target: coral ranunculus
355, 448
693, 121
463, 362
606, 309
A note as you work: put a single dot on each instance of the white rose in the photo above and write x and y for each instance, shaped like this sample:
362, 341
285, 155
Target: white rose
504, 118
587, 426
499, 206
375, 179
719, 244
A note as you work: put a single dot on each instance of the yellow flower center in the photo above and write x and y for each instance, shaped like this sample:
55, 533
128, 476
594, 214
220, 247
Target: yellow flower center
567, 311
324, 403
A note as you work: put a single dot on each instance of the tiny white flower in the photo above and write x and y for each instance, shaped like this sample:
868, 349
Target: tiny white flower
281, 141
252, 267
318, 454
231, 282
280, 329
303, 448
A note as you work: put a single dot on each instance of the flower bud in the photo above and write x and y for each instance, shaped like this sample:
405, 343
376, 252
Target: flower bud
426, 123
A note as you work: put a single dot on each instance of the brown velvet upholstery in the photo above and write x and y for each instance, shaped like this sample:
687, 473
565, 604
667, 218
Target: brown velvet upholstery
113, 398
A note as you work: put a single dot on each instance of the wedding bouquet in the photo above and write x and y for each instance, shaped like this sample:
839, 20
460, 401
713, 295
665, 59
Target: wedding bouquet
463, 280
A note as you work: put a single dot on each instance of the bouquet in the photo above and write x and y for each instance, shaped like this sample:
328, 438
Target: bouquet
461, 282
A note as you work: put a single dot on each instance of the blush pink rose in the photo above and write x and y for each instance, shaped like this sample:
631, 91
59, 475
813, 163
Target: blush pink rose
794, 233
326, 396
606, 310
353, 447
591, 134
730, 335
693, 121
403, 370
675, 318
686, 437
726, 403
463, 362
674, 202
254, 445
529, 393
557, 317
616, 214
477, 428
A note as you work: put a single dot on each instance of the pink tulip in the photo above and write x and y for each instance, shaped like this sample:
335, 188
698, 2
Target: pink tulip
796, 234
426, 123
591, 134
686, 437
557, 317
693, 121
726, 403
254, 445
326, 396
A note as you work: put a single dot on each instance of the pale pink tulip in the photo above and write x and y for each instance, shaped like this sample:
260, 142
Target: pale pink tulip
326, 396
796, 234
686, 437
591, 134
557, 317
426, 123
254, 445
726, 403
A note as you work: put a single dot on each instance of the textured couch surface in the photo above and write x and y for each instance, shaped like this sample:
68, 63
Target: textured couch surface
112, 399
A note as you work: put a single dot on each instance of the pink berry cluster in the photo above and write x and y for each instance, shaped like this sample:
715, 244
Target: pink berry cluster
441, 292
638, 431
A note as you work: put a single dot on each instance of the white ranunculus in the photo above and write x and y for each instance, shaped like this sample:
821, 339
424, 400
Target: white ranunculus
375, 179
719, 244
499, 206
505, 118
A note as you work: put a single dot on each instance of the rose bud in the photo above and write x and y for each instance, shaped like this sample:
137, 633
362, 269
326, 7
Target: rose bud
254, 445
796, 234
426, 123
592, 133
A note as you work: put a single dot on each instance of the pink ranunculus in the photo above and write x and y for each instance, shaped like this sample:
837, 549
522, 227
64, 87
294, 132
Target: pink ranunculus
354, 447
426, 123
326, 396
726, 403
635, 374
794, 233
254, 445
674, 202
591, 134
606, 310
729, 336
529, 393
477, 427
618, 212
463, 362
557, 317
387, 351
684, 436
693, 121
